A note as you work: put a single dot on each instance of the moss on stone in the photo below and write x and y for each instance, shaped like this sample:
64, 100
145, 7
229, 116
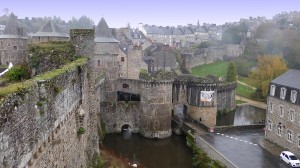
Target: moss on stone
21, 88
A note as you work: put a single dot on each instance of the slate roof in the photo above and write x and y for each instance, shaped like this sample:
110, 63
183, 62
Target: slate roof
177, 31
291, 79
200, 30
12, 29
50, 29
103, 33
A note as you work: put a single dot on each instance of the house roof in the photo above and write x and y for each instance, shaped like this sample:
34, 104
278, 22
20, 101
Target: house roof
50, 29
290, 78
103, 33
12, 29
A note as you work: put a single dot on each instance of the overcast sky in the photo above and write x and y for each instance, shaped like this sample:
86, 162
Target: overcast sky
118, 13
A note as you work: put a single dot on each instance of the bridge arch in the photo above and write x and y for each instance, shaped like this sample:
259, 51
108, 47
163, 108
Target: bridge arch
181, 111
125, 127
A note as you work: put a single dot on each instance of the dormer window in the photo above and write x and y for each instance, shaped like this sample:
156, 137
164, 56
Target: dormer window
272, 90
282, 93
293, 96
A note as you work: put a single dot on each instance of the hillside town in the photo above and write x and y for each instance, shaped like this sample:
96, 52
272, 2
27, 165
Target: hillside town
231, 91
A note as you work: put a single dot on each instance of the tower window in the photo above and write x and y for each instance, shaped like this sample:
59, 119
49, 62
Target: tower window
122, 59
125, 86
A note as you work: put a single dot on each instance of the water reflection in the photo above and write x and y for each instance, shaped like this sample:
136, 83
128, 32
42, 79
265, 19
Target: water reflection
244, 115
170, 152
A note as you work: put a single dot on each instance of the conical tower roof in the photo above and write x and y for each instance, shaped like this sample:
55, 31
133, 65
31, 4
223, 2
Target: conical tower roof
12, 28
103, 33
50, 29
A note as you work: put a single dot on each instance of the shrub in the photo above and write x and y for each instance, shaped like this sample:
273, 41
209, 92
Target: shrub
18, 73
81, 130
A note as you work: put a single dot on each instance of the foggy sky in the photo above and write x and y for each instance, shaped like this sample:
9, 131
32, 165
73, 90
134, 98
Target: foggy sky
119, 13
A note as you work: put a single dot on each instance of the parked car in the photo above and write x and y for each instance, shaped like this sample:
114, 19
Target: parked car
290, 158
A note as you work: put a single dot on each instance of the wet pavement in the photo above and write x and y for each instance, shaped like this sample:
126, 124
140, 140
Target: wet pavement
246, 148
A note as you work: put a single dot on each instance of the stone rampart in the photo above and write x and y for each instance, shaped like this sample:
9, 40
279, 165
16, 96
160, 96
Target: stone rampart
39, 122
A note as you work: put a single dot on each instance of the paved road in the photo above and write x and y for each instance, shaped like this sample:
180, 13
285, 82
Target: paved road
242, 148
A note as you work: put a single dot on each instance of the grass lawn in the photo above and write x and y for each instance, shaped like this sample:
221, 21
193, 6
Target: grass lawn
243, 79
240, 101
244, 91
217, 68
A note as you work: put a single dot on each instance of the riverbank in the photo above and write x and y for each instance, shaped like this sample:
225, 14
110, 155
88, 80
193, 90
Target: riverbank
108, 159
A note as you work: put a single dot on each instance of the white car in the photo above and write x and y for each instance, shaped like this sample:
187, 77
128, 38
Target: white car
290, 158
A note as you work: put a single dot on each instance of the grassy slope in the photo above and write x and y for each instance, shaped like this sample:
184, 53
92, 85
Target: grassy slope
218, 69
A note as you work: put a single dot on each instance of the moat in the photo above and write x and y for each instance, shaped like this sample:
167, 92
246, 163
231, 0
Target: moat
170, 152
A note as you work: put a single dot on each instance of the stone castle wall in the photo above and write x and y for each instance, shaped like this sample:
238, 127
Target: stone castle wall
156, 113
115, 114
135, 62
212, 54
38, 126
226, 96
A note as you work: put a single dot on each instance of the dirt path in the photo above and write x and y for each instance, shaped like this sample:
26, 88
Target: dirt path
252, 87
252, 102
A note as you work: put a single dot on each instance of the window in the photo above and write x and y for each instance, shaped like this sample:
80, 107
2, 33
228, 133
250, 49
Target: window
271, 107
1, 42
125, 86
98, 63
293, 96
122, 59
270, 125
15, 47
299, 141
8, 44
279, 130
289, 135
282, 93
281, 111
156, 125
292, 115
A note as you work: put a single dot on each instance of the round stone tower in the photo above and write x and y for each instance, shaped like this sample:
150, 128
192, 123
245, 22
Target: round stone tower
156, 103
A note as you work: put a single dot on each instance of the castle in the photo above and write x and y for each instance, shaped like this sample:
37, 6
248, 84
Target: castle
56, 119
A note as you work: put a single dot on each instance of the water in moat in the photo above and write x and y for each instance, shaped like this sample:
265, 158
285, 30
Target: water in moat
242, 116
170, 152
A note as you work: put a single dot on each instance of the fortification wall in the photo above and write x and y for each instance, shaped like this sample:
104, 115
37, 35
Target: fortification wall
115, 114
212, 54
156, 113
226, 96
39, 123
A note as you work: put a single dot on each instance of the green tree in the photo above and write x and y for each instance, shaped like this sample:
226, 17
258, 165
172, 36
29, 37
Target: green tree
231, 72
268, 68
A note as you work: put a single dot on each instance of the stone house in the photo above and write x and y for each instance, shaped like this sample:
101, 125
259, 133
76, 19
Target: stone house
49, 32
159, 57
13, 43
283, 111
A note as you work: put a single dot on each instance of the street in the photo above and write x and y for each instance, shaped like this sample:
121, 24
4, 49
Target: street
243, 149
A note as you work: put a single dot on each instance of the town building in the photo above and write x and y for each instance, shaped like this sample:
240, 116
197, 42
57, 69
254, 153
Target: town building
13, 43
177, 36
283, 111
49, 32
